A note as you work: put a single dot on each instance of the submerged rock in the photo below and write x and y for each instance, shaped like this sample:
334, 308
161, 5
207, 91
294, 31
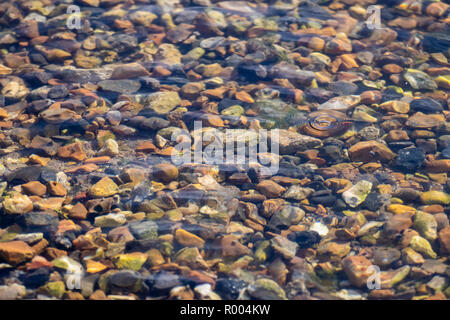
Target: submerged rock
357, 194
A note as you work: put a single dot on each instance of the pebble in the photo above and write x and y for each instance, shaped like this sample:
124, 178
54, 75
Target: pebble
18, 204
426, 225
410, 159
104, 188
357, 193
111, 220
266, 289
165, 172
15, 252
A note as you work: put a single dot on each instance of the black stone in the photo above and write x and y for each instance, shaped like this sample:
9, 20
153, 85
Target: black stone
326, 200
410, 159
40, 221
154, 123
58, 92
305, 239
36, 278
343, 88
374, 201
25, 174
426, 105
125, 279
333, 153
229, 288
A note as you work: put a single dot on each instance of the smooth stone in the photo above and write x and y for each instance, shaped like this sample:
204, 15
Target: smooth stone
426, 225
419, 80
120, 86
144, 230
426, 105
357, 193
266, 289
162, 102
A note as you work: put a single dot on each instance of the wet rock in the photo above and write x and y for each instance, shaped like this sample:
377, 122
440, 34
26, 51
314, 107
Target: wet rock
410, 159
357, 193
426, 105
422, 246
17, 204
168, 54
40, 221
368, 151
423, 121
188, 239
130, 261
230, 288
419, 80
343, 103
288, 216
144, 230
384, 256
120, 86
12, 292
111, 220
162, 282
34, 188
297, 192
410, 256
435, 197
162, 102
357, 269
444, 239
104, 188
191, 257
73, 151
305, 239
284, 246
426, 225
110, 148
398, 223
129, 71
266, 289
56, 116
126, 279
270, 189
231, 247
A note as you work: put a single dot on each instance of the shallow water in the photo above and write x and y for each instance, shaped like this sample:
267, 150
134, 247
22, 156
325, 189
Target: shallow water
363, 144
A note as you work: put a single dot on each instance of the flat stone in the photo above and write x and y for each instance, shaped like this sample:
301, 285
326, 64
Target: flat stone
162, 102
270, 189
368, 151
15, 252
291, 142
104, 188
